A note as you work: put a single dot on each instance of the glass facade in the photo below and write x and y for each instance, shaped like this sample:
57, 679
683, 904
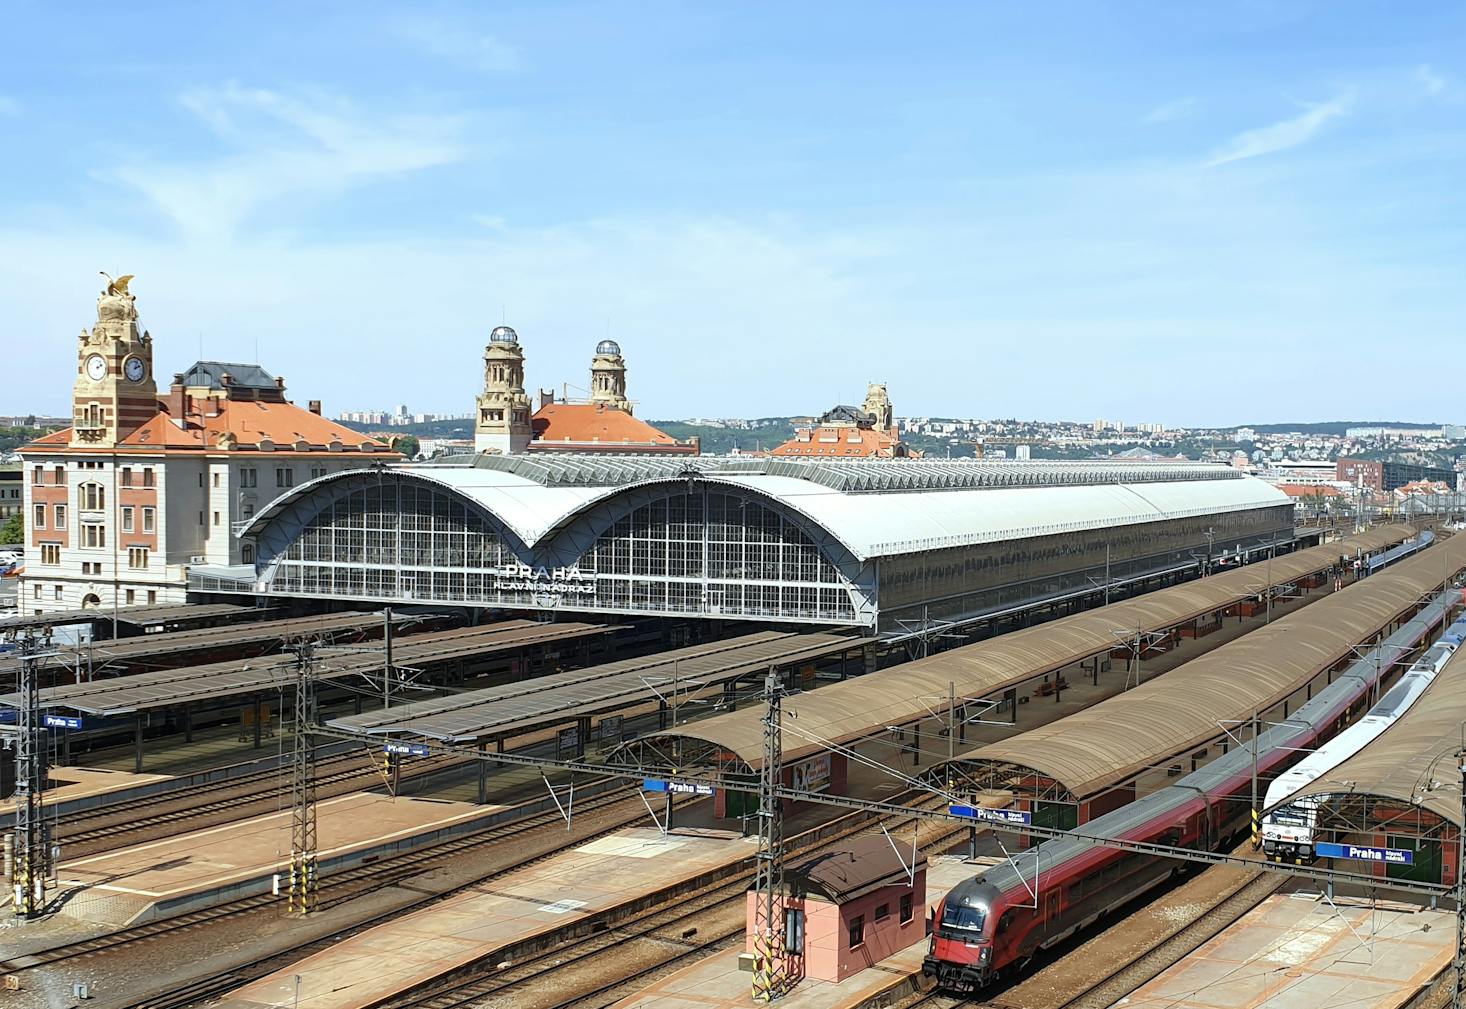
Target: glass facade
708, 550
703, 552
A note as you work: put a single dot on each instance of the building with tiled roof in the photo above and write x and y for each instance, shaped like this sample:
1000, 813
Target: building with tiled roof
847, 432
604, 423
144, 485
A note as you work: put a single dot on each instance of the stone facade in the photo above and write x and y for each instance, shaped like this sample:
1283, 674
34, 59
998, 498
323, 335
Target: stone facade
502, 419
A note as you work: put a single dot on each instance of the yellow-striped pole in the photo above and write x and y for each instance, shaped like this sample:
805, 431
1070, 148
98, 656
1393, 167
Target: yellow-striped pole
1256, 829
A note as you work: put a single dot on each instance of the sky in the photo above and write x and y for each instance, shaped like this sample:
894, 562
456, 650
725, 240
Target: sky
1192, 214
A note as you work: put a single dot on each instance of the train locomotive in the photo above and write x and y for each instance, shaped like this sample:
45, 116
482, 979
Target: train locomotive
995, 922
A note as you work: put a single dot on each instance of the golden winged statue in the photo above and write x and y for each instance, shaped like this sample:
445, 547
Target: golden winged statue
118, 286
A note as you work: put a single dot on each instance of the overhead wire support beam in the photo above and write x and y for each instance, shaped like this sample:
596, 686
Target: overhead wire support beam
32, 847
303, 852
768, 971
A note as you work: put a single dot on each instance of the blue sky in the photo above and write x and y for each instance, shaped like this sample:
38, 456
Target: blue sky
1188, 213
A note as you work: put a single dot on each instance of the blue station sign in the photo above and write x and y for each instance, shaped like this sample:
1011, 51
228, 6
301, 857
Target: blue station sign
406, 749
1389, 856
1010, 817
61, 722
676, 787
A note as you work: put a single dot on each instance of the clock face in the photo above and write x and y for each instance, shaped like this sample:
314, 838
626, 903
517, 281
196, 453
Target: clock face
96, 368
133, 369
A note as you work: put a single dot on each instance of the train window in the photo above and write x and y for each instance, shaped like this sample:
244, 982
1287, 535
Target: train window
957, 916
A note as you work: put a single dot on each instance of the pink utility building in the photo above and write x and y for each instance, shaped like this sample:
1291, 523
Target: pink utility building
850, 908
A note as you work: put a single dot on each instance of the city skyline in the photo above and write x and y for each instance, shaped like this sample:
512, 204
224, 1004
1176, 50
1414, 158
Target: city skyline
1208, 218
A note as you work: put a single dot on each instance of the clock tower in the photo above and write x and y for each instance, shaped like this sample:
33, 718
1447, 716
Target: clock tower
114, 392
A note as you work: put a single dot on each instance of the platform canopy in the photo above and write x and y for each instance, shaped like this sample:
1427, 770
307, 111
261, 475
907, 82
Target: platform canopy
858, 708
1110, 742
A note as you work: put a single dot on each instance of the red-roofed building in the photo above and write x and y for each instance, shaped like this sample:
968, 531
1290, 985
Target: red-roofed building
605, 423
847, 432
600, 427
141, 487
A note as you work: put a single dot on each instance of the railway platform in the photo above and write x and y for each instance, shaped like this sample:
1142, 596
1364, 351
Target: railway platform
207, 867
501, 921
1298, 951
79, 787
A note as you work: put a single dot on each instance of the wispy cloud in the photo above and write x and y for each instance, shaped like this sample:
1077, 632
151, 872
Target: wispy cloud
1181, 108
1430, 82
1283, 135
462, 45
281, 146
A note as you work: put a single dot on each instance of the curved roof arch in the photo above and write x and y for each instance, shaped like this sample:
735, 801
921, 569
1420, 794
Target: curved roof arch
867, 523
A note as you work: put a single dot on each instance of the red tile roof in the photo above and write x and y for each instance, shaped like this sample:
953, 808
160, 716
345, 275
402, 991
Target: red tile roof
250, 422
839, 442
590, 423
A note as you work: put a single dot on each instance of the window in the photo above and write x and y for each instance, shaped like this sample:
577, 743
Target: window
147, 520
905, 908
131, 597
92, 497
249, 509
317, 472
249, 477
137, 558
127, 519
57, 593
60, 516
247, 554
127, 476
857, 930
793, 930
284, 476
201, 479
60, 476
50, 553
216, 518
152, 597
216, 479
147, 476
38, 475
883, 911
93, 535
40, 521
36, 590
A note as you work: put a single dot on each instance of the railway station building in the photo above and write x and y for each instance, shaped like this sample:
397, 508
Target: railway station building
881, 546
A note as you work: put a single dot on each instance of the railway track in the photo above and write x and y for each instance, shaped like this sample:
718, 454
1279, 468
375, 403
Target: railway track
1120, 977
600, 968
164, 814
621, 805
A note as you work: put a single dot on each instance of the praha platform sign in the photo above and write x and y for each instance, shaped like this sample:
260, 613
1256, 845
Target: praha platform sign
1010, 817
406, 749
61, 722
1389, 856
677, 787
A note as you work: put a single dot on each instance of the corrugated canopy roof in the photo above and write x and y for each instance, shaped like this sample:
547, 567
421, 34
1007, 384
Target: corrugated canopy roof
1109, 742
1413, 761
860, 707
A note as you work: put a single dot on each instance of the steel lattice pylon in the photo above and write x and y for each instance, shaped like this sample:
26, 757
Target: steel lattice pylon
32, 843
769, 981
303, 786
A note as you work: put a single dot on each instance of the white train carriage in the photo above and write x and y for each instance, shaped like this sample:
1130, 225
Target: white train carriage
1287, 828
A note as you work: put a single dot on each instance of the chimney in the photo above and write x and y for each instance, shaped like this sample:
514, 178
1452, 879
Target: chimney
315, 407
176, 405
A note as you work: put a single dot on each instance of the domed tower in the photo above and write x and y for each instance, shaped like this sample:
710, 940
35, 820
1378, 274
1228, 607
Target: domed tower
114, 393
502, 424
878, 405
608, 377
